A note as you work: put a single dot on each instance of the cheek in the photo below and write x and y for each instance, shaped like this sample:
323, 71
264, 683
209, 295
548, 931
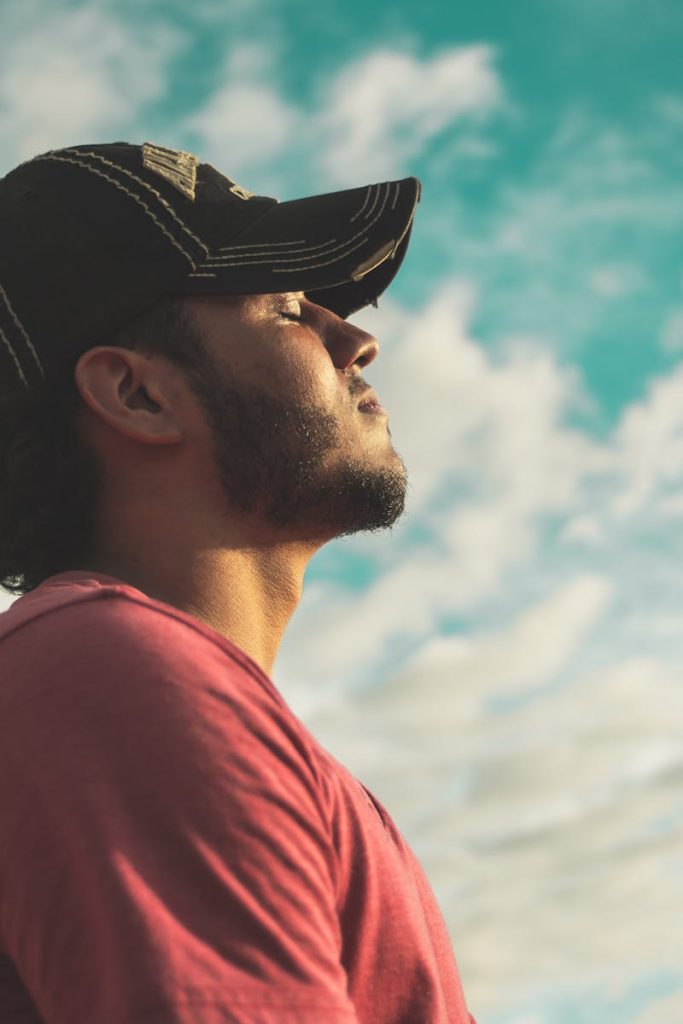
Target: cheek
310, 376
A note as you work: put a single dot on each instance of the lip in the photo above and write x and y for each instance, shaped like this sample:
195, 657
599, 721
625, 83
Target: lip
370, 402
372, 409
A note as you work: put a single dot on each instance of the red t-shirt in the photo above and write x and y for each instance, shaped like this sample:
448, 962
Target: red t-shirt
175, 845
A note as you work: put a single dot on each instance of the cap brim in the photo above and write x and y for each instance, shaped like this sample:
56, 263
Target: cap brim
342, 247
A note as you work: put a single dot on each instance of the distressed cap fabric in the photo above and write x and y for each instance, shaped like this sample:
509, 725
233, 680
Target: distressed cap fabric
91, 235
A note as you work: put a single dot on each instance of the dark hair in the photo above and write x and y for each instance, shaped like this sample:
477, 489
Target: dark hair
49, 481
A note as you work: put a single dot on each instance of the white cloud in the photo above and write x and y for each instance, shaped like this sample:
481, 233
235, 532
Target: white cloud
538, 645
372, 117
672, 332
226, 126
547, 251
489, 459
381, 112
649, 446
583, 529
534, 763
613, 280
72, 76
491, 462
667, 1010
544, 831
669, 107
495, 419
245, 123
671, 507
549, 830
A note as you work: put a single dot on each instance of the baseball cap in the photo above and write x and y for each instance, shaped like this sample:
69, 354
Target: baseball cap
91, 235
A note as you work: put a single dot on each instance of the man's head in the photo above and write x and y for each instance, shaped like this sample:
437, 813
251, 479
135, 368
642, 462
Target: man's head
149, 325
264, 425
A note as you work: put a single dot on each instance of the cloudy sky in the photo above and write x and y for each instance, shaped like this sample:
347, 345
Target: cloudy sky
504, 669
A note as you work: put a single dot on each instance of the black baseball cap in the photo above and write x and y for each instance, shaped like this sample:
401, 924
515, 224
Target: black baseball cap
92, 235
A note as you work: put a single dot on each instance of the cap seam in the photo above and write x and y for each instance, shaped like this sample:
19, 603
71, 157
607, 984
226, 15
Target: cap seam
250, 261
18, 322
122, 188
259, 245
374, 203
150, 188
237, 235
22, 330
14, 356
368, 193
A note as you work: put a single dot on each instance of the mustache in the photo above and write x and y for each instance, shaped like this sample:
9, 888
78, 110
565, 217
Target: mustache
358, 386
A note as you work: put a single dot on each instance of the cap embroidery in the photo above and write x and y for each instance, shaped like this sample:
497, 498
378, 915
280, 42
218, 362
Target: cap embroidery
175, 165
241, 193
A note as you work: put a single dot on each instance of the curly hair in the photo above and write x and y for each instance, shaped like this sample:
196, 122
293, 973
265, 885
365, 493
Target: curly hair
49, 481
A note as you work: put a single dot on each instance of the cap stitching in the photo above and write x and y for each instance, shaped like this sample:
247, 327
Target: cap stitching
287, 270
301, 259
21, 327
260, 245
322, 245
145, 184
365, 202
312, 266
14, 356
307, 250
374, 203
323, 263
265, 249
117, 184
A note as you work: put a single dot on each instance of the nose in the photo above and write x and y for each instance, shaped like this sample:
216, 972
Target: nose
347, 344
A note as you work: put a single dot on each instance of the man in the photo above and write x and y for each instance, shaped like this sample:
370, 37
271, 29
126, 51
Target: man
175, 845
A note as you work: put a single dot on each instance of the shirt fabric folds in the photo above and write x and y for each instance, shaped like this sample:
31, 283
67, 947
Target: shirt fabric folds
177, 848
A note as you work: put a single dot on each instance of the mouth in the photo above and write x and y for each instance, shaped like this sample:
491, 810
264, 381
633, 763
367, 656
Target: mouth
372, 408
371, 403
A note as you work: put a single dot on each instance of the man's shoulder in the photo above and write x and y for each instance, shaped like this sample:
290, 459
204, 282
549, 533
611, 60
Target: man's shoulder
110, 629
66, 606
112, 662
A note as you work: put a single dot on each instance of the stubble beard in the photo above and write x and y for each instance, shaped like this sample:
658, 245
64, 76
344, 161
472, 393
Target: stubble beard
286, 464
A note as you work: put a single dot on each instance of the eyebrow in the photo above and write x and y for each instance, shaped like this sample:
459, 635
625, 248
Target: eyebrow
277, 297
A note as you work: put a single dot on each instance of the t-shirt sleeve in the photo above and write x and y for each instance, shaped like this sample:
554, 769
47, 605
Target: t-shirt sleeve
165, 852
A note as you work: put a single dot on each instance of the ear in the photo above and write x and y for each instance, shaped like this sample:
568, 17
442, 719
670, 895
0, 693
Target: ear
133, 393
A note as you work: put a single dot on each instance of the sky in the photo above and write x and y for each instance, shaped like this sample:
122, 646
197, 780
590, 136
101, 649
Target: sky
503, 668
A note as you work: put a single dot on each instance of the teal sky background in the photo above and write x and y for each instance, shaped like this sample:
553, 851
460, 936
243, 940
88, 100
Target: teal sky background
504, 668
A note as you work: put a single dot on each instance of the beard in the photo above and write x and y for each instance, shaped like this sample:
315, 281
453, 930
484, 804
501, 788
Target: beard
286, 464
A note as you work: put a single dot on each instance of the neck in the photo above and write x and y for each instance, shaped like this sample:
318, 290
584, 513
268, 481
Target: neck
247, 594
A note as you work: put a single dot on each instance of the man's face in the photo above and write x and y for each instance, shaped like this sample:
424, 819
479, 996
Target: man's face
280, 396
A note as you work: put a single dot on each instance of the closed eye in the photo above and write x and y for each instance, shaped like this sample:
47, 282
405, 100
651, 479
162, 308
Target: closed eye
291, 316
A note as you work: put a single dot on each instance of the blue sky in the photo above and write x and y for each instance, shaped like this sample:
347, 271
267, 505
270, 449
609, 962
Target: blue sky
504, 668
